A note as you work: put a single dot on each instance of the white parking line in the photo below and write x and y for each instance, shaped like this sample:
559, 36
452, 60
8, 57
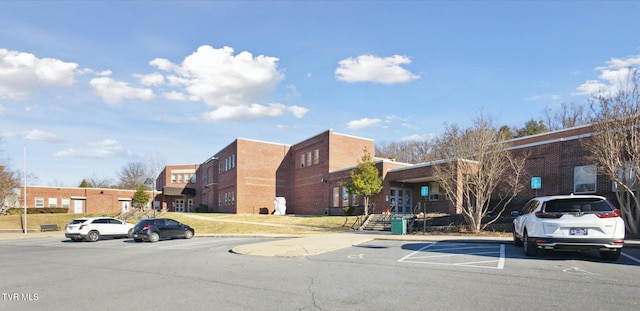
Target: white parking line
631, 257
456, 250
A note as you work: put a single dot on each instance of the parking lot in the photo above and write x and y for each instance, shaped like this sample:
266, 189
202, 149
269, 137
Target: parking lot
380, 275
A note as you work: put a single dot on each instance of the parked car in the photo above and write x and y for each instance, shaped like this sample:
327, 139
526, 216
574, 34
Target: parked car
92, 229
155, 229
570, 222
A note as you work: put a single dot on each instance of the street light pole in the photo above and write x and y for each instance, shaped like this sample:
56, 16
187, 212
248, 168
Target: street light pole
152, 183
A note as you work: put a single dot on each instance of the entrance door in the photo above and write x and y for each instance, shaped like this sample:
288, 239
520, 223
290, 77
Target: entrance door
400, 199
77, 206
179, 205
125, 206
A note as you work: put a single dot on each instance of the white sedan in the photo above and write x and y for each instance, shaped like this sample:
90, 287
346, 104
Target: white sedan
92, 229
570, 222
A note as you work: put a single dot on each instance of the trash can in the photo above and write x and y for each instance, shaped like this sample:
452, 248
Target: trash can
398, 224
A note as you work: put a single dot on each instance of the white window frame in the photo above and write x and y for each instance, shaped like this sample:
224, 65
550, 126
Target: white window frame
585, 179
39, 202
52, 202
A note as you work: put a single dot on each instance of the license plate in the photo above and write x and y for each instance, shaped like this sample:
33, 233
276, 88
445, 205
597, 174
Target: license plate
578, 231
135, 235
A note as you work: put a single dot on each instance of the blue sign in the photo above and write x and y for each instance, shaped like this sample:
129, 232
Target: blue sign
424, 191
536, 182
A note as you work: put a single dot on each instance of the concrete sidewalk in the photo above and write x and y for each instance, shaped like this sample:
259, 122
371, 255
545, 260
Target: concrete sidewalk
315, 244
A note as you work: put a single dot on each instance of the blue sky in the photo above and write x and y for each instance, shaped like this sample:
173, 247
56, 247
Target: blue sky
88, 86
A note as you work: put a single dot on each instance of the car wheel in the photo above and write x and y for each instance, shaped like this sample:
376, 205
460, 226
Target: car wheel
516, 240
188, 234
154, 237
611, 255
93, 236
530, 248
138, 240
130, 233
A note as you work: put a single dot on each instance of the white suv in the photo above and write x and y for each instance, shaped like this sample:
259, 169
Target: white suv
570, 222
91, 229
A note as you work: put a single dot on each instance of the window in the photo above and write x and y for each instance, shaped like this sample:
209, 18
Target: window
336, 197
193, 178
355, 200
180, 178
173, 178
627, 176
316, 156
309, 159
53, 202
434, 191
345, 197
584, 179
233, 161
39, 202
302, 160
66, 203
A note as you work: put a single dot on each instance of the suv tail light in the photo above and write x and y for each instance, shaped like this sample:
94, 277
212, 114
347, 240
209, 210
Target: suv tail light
146, 227
81, 226
546, 215
615, 213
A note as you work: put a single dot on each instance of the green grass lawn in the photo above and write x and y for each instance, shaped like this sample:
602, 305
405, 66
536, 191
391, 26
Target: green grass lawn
209, 223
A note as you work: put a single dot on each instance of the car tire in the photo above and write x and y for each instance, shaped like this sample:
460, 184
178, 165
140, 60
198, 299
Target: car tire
610, 255
130, 233
138, 240
530, 248
188, 234
516, 240
154, 237
93, 236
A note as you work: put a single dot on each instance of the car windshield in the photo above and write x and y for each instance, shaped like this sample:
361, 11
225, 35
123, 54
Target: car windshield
77, 221
577, 205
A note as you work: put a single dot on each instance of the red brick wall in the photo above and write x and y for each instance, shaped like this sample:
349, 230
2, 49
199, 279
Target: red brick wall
95, 200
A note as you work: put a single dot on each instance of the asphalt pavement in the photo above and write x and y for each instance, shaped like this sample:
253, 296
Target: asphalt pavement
314, 244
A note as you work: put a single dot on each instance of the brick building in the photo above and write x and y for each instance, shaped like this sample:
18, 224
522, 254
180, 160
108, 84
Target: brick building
246, 176
80, 200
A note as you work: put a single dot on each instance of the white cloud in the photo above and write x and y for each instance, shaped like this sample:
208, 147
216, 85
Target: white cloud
419, 137
38, 135
174, 95
151, 79
237, 86
370, 68
363, 123
23, 73
114, 92
100, 149
298, 111
253, 111
613, 76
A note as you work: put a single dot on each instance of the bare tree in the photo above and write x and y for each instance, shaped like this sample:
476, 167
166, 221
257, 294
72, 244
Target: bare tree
9, 181
407, 151
132, 175
96, 182
615, 146
569, 115
477, 167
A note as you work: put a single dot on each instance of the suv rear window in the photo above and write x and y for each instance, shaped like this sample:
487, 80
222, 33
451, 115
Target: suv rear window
77, 221
577, 205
